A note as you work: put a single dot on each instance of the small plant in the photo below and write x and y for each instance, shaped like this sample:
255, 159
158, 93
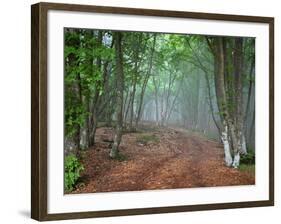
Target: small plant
120, 157
145, 139
72, 170
249, 158
247, 168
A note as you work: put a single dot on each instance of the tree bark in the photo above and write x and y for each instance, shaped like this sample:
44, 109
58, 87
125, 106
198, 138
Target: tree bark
238, 69
135, 77
128, 107
119, 93
132, 103
146, 80
222, 99
156, 100
246, 132
96, 99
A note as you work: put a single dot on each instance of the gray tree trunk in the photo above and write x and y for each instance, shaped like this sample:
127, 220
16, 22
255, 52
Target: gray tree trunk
119, 93
238, 65
156, 101
146, 80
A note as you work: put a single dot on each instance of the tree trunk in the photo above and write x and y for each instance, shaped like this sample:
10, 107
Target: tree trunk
132, 103
128, 107
250, 88
196, 103
206, 75
174, 100
76, 89
211, 102
93, 127
246, 129
96, 100
125, 102
226, 145
136, 59
119, 93
238, 65
146, 80
78, 133
252, 129
141, 99
107, 97
222, 100
156, 101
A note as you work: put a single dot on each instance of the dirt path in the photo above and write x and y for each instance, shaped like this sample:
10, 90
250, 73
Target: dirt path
168, 158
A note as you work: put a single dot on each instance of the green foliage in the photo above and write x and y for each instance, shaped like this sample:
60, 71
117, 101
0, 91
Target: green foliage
247, 168
177, 68
83, 78
72, 170
75, 115
249, 158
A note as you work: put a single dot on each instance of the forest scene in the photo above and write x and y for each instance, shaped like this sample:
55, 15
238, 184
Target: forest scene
145, 111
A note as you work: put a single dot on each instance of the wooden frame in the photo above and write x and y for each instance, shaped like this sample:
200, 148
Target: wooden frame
39, 110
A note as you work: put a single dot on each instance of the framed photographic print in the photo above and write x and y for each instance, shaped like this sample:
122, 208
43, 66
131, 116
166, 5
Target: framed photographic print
139, 111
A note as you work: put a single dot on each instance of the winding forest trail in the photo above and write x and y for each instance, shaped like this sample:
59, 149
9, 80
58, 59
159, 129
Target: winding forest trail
162, 158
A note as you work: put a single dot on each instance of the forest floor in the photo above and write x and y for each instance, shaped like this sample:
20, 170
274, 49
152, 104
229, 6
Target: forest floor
157, 158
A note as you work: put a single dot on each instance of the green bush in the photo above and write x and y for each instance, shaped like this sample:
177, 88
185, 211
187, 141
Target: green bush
72, 170
249, 158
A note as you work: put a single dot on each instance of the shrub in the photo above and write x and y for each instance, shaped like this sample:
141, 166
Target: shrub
249, 158
72, 170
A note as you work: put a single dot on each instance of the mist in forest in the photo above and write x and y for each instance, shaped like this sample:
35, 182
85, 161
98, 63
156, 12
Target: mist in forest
156, 87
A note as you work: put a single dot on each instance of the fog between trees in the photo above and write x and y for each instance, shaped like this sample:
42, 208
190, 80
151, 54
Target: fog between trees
126, 79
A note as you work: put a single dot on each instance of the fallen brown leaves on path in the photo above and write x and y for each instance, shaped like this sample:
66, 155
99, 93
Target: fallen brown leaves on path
174, 158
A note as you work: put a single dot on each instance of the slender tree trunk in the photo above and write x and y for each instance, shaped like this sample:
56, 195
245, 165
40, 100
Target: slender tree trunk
132, 104
106, 97
78, 133
96, 99
135, 76
164, 112
128, 107
211, 102
119, 93
127, 98
141, 99
196, 103
167, 104
156, 101
146, 80
93, 127
174, 100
